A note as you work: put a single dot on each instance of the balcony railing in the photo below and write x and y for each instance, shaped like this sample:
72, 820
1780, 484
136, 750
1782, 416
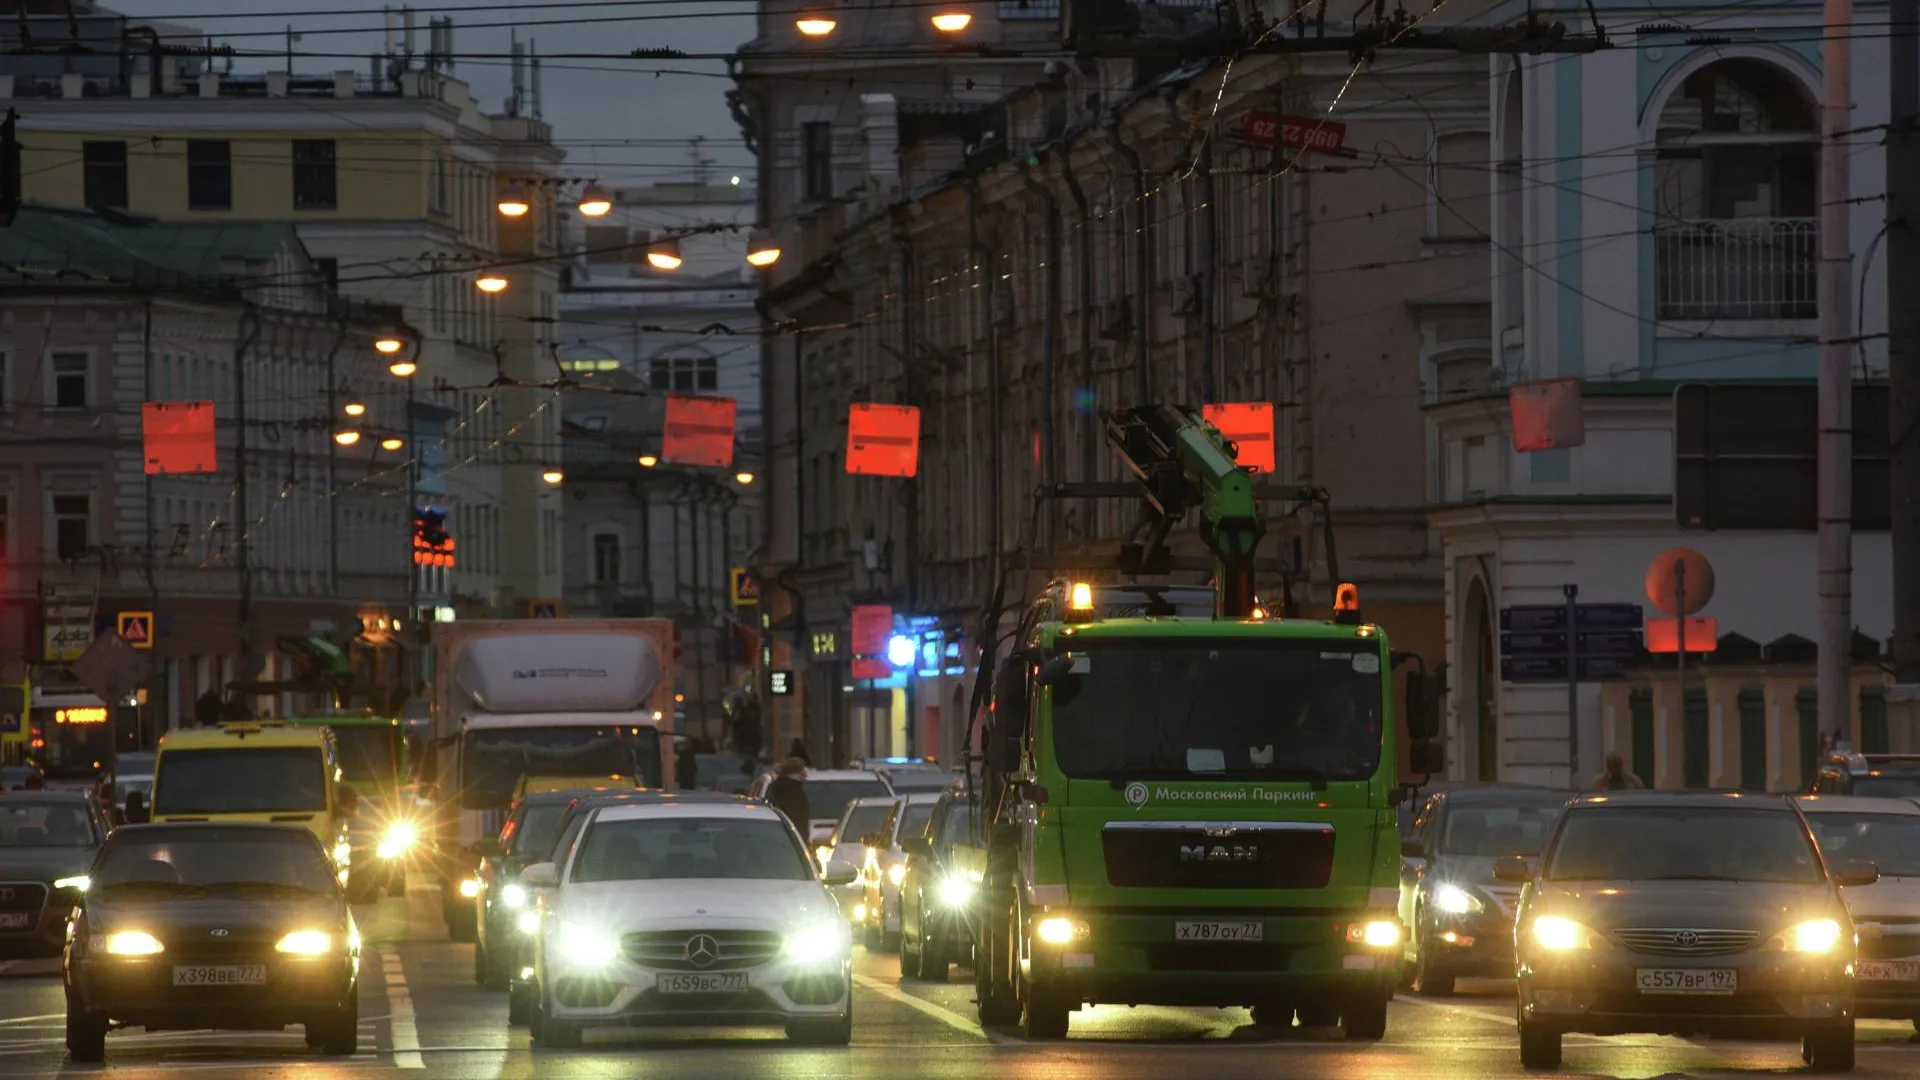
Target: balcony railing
1738, 268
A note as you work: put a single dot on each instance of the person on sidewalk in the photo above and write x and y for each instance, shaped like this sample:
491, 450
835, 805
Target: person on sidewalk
1616, 777
788, 793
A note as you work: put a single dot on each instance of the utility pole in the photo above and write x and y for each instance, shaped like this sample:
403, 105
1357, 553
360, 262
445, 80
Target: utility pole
1903, 351
243, 525
1835, 538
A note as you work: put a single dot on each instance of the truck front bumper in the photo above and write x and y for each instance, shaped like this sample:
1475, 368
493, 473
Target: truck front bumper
1117, 958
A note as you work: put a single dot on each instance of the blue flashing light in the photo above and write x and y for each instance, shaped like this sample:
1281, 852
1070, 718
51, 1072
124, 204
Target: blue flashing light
901, 650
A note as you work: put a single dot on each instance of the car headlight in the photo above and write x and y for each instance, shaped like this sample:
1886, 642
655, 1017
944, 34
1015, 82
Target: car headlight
1556, 934
1812, 936
818, 942
527, 922
1454, 900
586, 946
397, 840
957, 891
470, 888
78, 883
343, 853
514, 895
305, 943
132, 943
897, 873
1059, 930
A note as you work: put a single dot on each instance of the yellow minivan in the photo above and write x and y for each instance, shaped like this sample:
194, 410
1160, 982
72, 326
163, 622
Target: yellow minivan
253, 771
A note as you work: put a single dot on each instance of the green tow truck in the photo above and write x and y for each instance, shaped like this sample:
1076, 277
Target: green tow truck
1189, 800
384, 830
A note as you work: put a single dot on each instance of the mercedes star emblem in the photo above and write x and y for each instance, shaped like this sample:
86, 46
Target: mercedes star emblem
702, 950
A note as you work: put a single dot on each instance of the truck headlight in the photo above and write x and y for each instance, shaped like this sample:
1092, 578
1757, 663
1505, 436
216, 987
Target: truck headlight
1812, 936
1454, 900
513, 895
957, 891
585, 946
1059, 930
397, 840
897, 873
818, 942
1374, 933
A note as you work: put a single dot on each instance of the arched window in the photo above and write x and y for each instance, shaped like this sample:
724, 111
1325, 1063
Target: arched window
684, 369
1736, 181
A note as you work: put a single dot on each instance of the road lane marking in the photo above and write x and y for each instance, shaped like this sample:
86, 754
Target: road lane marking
406, 1036
964, 1024
33, 1019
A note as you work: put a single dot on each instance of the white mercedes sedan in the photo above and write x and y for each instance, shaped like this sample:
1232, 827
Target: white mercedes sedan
690, 915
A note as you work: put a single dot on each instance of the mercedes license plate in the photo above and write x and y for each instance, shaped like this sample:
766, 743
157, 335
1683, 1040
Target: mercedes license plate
15, 920
1889, 971
1687, 980
711, 983
221, 975
1218, 931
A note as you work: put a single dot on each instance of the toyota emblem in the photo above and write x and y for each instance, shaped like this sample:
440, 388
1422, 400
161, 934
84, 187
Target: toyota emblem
219, 933
1686, 939
702, 950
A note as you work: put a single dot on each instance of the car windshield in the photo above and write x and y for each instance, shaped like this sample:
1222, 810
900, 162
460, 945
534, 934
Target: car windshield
43, 825
914, 818
1901, 786
495, 759
368, 752
1498, 830
539, 827
253, 780
1222, 709
680, 847
1889, 841
209, 859
134, 764
828, 799
1681, 843
860, 820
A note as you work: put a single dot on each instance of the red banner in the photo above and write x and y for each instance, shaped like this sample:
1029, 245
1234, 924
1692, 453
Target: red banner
1703, 634
178, 437
699, 431
872, 626
883, 440
1547, 415
1249, 426
1301, 133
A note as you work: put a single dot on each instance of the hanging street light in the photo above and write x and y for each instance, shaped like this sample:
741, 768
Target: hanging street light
814, 25
392, 442
515, 203
952, 22
762, 251
403, 368
388, 344
743, 478
665, 255
346, 437
596, 201
491, 281
354, 408
553, 476
648, 461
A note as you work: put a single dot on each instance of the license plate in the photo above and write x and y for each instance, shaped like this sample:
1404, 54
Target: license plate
221, 975
714, 983
1687, 980
1218, 931
15, 920
1885, 971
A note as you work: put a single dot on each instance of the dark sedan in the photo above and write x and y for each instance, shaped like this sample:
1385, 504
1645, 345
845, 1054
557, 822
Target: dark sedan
237, 927
1686, 914
47, 842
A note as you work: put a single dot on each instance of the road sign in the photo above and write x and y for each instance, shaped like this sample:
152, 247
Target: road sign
746, 590
137, 628
780, 683
1547, 618
1623, 643
545, 609
1553, 669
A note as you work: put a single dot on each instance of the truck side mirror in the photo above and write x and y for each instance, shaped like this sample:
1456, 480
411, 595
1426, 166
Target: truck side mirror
1055, 670
1426, 757
1420, 708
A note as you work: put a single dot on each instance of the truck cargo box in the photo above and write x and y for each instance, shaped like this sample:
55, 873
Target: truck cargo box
550, 673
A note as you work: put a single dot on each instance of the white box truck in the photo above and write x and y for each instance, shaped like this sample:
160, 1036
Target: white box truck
537, 697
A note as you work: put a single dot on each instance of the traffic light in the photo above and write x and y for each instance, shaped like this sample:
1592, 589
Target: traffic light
432, 545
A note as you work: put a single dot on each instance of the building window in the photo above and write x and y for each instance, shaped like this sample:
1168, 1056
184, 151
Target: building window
209, 174
327, 272
606, 559
685, 374
72, 526
70, 380
816, 161
315, 185
437, 186
105, 176
1460, 187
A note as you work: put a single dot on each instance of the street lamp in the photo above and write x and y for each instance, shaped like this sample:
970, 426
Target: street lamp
553, 476
354, 408
402, 369
648, 461
595, 201
491, 281
665, 255
388, 344
762, 251
346, 437
392, 442
951, 22
814, 24
515, 203
743, 478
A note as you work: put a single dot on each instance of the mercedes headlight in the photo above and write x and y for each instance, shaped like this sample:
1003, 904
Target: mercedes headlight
514, 895
132, 943
819, 942
1556, 934
78, 883
1454, 900
957, 891
397, 840
1812, 936
585, 946
305, 943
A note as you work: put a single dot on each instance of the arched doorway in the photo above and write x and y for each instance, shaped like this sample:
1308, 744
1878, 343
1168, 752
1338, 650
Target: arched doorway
1480, 694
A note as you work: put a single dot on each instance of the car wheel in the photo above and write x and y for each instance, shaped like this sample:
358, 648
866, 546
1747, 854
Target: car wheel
489, 968
1365, 1020
86, 1036
480, 964
911, 951
551, 1033
1047, 1012
1430, 979
340, 1034
933, 958
1539, 1047
1830, 1050
519, 1006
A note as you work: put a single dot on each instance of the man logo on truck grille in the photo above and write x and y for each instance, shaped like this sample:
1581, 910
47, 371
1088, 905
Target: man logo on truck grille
1218, 853
1136, 794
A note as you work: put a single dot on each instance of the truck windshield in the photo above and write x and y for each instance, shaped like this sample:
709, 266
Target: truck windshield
368, 752
494, 759
241, 781
1220, 709
1897, 786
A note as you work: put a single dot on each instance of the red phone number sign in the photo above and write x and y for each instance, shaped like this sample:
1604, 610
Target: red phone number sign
1301, 133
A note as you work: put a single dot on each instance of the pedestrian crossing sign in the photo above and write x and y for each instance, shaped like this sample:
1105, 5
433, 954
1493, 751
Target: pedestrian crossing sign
746, 590
137, 628
546, 609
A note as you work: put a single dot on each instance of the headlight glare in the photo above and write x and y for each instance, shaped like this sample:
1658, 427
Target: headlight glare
397, 840
77, 883
305, 943
527, 922
1374, 933
470, 888
1812, 936
897, 873
1059, 930
1557, 934
133, 943
585, 946
343, 853
818, 942
1451, 899
957, 891
513, 895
